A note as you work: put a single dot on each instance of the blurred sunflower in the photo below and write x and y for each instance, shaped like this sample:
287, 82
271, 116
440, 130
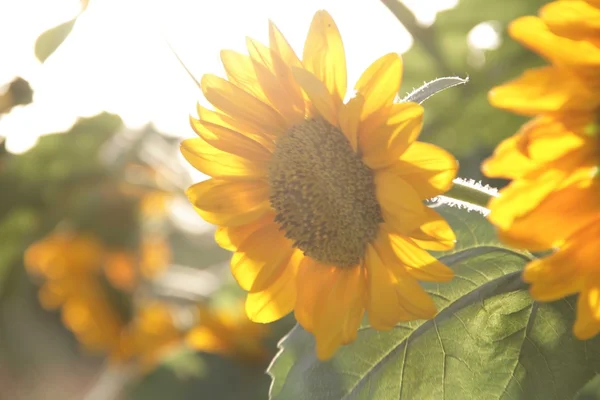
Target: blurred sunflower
554, 198
320, 199
72, 266
228, 333
68, 263
78, 271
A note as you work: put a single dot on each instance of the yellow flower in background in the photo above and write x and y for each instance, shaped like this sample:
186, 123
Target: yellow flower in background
572, 269
125, 269
549, 153
69, 264
571, 42
553, 200
561, 146
151, 334
321, 199
73, 267
227, 333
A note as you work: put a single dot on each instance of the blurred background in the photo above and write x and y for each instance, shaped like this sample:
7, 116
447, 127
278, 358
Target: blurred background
111, 287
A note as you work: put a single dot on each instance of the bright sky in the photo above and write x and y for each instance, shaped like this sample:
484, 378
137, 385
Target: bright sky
116, 58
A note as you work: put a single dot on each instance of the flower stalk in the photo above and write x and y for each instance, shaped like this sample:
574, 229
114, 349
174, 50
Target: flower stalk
470, 194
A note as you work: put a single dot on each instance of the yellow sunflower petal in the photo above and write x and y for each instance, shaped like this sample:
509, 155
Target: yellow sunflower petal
535, 34
508, 161
231, 237
427, 168
342, 307
349, 118
279, 299
318, 94
230, 203
380, 82
277, 82
242, 105
574, 19
566, 271
548, 138
324, 55
556, 218
240, 71
411, 295
384, 145
230, 141
522, 196
219, 164
355, 306
552, 277
385, 303
279, 44
434, 233
419, 263
226, 121
401, 205
313, 279
542, 90
261, 258
587, 324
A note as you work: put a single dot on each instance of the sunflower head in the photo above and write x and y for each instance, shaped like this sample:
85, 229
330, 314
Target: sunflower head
319, 195
316, 151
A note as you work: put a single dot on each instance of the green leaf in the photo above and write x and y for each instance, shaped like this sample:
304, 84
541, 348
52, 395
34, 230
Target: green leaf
489, 340
221, 378
185, 364
591, 390
14, 229
49, 41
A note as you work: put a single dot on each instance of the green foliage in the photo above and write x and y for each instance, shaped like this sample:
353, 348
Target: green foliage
13, 229
58, 165
591, 390
489, 340
221, 378
35, 186
461, 119
64, 156
185, 364
49, 41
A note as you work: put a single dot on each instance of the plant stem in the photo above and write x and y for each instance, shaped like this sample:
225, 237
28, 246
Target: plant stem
471, 192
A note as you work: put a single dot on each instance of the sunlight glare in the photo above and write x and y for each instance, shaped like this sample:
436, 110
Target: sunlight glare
117, 59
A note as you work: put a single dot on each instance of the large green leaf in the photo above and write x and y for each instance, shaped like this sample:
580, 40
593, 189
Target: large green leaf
489, 340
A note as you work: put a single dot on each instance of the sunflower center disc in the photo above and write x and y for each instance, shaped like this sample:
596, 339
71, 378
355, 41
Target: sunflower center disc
323, 194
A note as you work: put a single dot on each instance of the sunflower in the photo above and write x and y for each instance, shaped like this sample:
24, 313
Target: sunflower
561, 145
221, 331
69, 264
548, 154
320, 198
152, 334
77, 269
572, 269
553, 201
73, 267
